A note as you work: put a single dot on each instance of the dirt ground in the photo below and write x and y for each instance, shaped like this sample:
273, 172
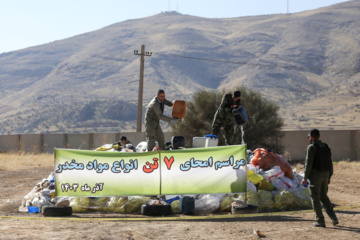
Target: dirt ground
343, 192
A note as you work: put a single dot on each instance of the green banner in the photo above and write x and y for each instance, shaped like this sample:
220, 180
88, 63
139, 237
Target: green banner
186, 171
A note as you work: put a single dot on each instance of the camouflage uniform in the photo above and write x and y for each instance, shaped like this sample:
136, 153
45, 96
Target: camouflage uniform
318, 184
154, 113
223, 117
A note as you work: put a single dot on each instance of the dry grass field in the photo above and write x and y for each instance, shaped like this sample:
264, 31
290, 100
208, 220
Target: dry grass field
20, 161
19, 173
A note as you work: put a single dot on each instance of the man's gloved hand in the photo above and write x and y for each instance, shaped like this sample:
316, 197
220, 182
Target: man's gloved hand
234, 106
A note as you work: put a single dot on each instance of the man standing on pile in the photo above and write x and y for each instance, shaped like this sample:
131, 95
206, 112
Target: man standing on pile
155, 113
224, 118
319, 169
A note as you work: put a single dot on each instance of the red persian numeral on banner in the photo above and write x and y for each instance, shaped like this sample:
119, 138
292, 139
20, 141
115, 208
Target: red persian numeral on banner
169, 162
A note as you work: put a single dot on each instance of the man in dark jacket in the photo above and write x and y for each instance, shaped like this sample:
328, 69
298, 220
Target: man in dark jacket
224, 118
155, 113
123, 145
319, 173
124, 141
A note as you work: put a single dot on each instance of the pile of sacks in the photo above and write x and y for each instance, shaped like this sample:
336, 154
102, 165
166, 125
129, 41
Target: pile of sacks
206, 203
272, 185
43, 194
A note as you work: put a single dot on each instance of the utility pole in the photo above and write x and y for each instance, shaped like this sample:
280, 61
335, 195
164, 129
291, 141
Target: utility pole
142, 55
288, 7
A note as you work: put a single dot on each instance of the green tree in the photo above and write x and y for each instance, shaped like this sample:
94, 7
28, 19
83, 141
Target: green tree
263, 128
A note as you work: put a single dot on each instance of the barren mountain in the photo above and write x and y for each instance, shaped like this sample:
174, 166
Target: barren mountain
308, 63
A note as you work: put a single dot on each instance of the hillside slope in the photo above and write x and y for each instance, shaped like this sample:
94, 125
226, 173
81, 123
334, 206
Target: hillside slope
308, 63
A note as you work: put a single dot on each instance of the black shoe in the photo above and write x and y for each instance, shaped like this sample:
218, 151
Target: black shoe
335, 221
319, 225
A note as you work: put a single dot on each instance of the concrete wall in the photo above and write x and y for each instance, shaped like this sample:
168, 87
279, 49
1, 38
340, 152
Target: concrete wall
31, 143
52, 141
9, 143
345, 144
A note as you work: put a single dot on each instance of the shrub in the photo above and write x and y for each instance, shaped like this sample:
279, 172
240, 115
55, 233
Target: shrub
263, 128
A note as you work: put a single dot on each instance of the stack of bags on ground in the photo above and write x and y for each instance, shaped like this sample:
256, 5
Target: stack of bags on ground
272, 185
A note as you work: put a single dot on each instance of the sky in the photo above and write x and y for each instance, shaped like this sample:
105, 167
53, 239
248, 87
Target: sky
26, 23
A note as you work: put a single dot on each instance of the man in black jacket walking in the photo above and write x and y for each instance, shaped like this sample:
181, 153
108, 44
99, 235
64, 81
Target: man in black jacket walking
319, 169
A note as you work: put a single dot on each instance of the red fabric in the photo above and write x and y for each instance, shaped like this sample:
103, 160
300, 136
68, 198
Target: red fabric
266, 160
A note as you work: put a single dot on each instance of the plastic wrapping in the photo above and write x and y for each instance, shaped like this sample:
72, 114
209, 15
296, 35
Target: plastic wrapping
63, 202
39, 201
98, 203
105, 147
273, 172
298, 177
279, 184
251, 186
265, 185
114, 204
209, 203
225, 204
251, 167
80, 204
266, 160
252, 198
175, 206
281, 193
141, 147
289, 182
133, 205
302, 197
27, 200
254, 178
285, 200
265, 200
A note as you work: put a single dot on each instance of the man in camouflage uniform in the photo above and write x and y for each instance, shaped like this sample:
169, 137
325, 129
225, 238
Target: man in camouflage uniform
155, 113
224, 118
319, 181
